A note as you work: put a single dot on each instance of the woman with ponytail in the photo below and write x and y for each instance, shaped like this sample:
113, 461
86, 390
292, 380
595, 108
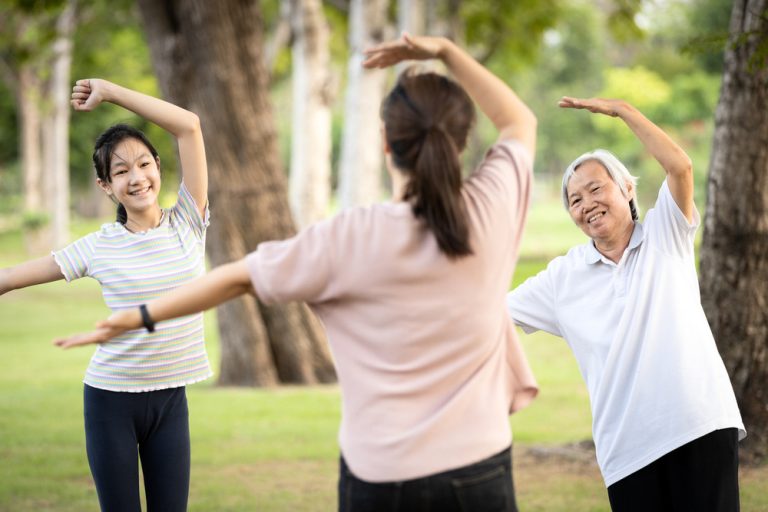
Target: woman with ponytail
411, 293
135, 405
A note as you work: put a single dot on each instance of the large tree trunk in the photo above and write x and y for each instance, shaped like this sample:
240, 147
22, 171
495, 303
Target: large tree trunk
361, 162
208, 58
310, 176
56, 127
734, 261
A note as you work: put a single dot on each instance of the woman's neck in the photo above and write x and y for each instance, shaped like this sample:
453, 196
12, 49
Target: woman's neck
399, 184
614, 248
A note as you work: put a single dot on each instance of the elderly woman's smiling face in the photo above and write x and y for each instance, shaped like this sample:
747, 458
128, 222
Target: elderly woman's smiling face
596, 203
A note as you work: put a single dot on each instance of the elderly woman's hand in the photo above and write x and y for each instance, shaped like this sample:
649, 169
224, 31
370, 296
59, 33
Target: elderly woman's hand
595, 105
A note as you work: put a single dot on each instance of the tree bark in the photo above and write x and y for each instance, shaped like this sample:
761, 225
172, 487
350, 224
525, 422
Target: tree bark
28, 94
208, 58
412, 16
310, 176
734, 265
56, 126
360, 170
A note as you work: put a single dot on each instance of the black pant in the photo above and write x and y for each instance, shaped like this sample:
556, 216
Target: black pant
484, 486
122, 427
701, 476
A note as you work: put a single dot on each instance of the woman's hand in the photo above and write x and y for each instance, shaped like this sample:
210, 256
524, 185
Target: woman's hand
88, 94
407, 47
115, 325
594, 105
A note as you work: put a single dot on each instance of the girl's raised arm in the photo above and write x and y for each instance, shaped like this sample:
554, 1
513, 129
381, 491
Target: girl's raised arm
182, 124
511, 117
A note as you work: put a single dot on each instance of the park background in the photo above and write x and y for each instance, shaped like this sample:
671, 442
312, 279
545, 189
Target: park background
272, 446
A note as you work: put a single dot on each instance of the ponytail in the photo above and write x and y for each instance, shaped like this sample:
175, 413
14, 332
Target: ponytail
122, 215
427, 119
435, 191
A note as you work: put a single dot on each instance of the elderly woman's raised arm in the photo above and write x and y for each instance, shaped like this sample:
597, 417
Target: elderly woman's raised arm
676, 163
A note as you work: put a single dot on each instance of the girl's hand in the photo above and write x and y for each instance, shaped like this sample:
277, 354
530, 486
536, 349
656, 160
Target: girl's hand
406, 47
115, 325
594, 105
88, 94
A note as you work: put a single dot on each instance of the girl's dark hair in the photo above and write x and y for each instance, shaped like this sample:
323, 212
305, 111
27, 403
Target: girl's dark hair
102, 155
427, 119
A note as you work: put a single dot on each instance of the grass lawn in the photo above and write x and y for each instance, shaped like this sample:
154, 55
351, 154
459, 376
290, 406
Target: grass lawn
260, 449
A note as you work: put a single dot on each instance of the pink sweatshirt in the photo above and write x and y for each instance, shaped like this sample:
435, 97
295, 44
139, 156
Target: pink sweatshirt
427, 358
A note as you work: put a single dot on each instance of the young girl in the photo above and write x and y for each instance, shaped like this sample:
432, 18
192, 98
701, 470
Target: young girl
134, 398
411, 294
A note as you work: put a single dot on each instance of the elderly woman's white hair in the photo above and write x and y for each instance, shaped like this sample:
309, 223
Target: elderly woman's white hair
616, 170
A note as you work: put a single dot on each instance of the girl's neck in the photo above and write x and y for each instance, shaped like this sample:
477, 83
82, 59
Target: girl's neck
139, 223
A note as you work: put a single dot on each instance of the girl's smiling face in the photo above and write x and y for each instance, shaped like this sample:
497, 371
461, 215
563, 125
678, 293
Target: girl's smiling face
134, 176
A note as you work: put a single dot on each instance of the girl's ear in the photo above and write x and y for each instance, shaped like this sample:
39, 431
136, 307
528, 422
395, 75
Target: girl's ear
105, 186
157, 161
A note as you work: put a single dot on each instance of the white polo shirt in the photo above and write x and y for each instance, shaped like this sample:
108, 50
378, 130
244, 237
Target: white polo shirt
655, 378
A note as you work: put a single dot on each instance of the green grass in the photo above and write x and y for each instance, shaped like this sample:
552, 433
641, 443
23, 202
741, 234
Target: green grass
257, 449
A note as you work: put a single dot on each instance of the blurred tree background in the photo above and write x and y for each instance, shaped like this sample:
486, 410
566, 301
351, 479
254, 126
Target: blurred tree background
663, 56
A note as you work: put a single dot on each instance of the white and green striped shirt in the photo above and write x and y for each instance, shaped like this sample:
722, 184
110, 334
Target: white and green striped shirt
132, 269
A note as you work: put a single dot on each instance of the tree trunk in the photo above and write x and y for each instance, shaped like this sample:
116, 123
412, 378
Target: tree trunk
310, 174
361, 162
28, 94
208, 58
412, 16
734, 266
56, 126
39, 73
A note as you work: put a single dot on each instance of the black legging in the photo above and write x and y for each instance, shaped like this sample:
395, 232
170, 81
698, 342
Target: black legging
120, 427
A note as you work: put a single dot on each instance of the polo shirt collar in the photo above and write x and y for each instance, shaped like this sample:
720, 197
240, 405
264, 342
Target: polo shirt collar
593, 255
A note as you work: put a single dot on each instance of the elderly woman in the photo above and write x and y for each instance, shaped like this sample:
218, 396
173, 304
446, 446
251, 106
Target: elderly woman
665, 421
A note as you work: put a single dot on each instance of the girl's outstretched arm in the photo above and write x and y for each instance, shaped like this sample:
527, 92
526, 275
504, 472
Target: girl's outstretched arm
220, 285
32, 272
511, 117
182, 124
676, 163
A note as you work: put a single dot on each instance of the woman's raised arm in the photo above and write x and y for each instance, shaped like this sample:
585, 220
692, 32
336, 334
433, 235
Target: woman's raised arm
676, 163
511, 117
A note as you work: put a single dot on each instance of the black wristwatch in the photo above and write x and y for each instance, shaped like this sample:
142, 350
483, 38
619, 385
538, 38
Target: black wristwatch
149, 324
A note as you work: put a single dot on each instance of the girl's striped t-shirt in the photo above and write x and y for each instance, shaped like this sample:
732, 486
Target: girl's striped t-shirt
134, 268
